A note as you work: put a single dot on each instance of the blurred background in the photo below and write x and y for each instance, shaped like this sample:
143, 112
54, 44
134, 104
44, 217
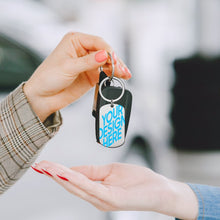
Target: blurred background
172, 48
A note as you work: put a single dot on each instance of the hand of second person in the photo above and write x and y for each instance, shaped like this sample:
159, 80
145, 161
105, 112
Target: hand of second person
70, 71
124, 187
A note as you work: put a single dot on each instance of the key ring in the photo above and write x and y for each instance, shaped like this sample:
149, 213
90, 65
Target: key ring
113, 67
110, 100
110, 79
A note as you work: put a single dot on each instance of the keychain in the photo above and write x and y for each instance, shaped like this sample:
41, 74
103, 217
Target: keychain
111, 109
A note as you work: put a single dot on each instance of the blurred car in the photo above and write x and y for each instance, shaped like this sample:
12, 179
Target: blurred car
17, 63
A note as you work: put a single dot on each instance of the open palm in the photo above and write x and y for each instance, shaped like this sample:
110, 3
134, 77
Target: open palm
109, 187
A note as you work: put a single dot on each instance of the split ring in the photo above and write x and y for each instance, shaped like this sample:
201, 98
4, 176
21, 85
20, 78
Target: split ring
110, 100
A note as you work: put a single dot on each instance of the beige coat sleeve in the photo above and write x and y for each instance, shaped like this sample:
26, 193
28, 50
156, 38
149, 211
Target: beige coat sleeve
22, 136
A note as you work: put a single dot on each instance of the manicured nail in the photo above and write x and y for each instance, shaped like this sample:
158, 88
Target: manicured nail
127, 70
63, 178
37, 170
47, 172
114, 57
122, 68
101, 56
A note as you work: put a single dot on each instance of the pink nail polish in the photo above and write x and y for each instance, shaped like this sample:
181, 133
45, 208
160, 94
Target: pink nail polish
114, 57
127, 70
122, 68
37, 170
101, 56
49, 174
63, 178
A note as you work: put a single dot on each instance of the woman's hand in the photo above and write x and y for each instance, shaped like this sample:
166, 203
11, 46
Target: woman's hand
69, 72
124, 187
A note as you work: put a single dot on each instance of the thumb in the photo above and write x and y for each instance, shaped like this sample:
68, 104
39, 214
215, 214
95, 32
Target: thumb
87, 62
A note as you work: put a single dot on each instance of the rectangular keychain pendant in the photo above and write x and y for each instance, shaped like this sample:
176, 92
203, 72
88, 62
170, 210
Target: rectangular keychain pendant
112, 125
111, 109
112, 118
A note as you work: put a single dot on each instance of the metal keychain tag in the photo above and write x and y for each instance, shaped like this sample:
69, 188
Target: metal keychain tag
111, 109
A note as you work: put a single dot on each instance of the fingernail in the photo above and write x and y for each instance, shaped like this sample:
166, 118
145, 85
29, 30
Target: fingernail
127, 70
122, 68
114, 57
101, 56
63, 178
47, 172
37, 170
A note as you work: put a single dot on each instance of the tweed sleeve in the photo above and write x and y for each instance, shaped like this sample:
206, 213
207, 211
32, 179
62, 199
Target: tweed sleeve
22, 136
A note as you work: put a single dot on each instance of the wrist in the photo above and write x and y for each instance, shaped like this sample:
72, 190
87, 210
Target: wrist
180, 201
38, 105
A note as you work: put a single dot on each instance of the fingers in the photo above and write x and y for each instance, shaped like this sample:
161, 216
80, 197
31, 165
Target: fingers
56, 172
96, 59
121, 71
97, 43
67, 177
95, 173
92, 62
124, 69
79, 43
86, 63
77, 184
90, 42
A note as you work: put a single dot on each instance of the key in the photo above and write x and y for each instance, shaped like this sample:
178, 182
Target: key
111, 109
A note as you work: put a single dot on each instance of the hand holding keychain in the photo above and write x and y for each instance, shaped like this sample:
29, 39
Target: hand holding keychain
111, 109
